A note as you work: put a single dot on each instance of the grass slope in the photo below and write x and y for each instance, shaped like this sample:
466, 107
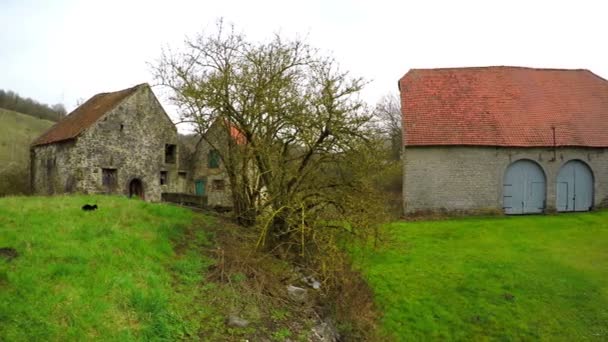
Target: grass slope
17, 131
110, 274
509, 278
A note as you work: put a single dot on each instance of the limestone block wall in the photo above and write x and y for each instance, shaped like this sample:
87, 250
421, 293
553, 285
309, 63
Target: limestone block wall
471, 177
55, 170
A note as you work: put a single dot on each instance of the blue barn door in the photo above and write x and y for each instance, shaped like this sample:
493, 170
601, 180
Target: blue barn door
574, 187
200, 187
524, 188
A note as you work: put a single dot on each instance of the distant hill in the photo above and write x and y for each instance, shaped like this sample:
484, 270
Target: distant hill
25, 105
17, 131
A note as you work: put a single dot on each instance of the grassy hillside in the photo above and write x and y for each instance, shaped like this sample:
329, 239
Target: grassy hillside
137, 271
509, 278
16, 133
110, 274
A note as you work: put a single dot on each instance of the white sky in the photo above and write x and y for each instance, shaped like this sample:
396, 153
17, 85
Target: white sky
65, 50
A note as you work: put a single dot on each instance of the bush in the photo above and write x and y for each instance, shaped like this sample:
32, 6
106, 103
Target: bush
14, 180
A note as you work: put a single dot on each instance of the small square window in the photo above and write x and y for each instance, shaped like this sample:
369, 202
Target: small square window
218, 184
164, 178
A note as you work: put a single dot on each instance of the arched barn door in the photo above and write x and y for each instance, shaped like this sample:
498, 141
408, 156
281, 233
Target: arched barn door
524, 188
136, 188
574, 187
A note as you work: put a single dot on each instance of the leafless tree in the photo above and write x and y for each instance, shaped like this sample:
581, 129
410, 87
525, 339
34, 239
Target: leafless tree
308, 147
388, 113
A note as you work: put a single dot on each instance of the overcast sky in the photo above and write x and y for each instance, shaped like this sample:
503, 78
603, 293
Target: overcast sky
65, 50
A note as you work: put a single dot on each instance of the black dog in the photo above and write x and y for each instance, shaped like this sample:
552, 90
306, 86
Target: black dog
88, 207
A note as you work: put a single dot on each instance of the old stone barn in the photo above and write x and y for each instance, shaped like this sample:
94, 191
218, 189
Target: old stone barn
513, 139
123, 142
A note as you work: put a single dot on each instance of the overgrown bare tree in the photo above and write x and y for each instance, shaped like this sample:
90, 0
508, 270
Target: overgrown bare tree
388, 112
309, 145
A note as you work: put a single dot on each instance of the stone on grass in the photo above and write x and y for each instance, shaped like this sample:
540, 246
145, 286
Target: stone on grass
325, 332
312, 282
236, 321
297, 294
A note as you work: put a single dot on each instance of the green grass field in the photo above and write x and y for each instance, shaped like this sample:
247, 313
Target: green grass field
128, 271
503, 278
17, 131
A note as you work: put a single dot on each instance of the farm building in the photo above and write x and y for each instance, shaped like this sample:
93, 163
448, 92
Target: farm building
519, 140
121, 142
208, 172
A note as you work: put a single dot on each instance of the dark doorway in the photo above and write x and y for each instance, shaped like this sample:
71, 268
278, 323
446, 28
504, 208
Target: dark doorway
109, 179
136, 188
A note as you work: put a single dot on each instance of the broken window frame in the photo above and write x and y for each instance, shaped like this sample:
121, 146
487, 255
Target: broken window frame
218, 184
170, 153
164, 178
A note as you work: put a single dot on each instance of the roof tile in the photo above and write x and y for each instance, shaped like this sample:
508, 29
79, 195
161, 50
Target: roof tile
84, 116
504, 106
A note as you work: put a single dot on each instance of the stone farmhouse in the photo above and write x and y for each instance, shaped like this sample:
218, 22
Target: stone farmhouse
514, 139
124, 143
208, 173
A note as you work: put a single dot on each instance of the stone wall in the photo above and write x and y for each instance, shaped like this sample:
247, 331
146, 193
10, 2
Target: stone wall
450, 178
54, 169
212, 176
130, 139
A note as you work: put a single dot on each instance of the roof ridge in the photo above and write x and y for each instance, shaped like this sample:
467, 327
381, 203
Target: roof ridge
85, 115
501, 67
125, 89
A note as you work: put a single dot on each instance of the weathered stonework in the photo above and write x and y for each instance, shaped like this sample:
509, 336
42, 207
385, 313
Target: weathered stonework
461, 178
212, 177
130, 139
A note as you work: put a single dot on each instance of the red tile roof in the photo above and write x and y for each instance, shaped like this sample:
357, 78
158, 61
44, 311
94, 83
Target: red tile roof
504, 106
237, 135
84, 116
235, 132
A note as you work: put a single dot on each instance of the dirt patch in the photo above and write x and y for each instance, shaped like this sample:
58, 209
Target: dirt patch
254, 285
261, 280
8, 253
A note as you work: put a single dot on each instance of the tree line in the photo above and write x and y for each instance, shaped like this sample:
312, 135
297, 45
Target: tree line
25, 105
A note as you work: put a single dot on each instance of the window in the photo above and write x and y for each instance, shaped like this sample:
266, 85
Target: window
170, 153
218, 184
214, 159
109, 178
164, 178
